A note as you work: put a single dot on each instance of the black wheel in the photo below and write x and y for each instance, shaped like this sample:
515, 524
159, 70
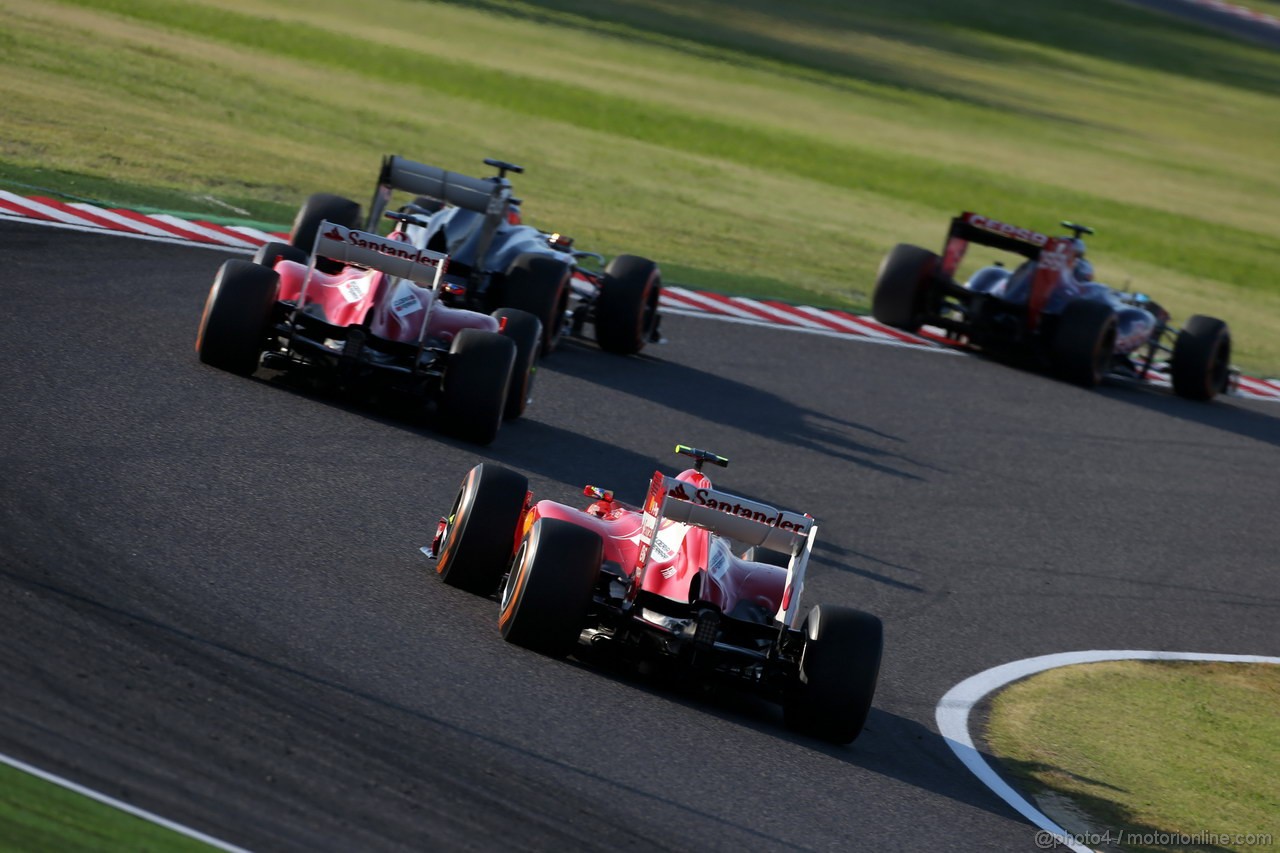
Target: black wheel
1201, 358
838, 672
904, 287
474, 389
627, 308
481, 533
314, 210
548, 590
526, 332
237, 315
540, 285
1084, 342
269, 254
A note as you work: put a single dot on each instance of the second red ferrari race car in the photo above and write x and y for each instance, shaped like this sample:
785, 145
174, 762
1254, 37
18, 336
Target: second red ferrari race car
1049, 309
373, 324
696, 578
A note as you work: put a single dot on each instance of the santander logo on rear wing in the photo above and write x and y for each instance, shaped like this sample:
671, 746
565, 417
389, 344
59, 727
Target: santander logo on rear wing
747, 521
392, 257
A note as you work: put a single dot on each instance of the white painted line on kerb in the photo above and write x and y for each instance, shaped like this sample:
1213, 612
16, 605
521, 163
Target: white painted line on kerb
95, 229
124, 807
954, 708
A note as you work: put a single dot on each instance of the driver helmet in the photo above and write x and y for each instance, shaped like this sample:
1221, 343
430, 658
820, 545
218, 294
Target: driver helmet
1084, 270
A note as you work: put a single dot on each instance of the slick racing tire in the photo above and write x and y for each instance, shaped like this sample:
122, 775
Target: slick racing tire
1084, 342
526, 332
548, 590
1201, 362
838, 672
626, 311
237, 316
475, 383
270, 254
481, 531
904, 287
540, 285
314, 210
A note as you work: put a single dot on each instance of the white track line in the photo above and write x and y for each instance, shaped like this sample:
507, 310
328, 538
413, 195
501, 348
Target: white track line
95, 229
124, 807
953, 711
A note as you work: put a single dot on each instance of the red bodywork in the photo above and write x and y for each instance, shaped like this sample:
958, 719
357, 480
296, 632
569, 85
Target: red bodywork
396, 308
688, 562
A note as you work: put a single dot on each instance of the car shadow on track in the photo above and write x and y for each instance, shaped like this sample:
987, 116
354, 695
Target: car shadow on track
842, 559
1224, 414
715, 398
533, 446
890, 745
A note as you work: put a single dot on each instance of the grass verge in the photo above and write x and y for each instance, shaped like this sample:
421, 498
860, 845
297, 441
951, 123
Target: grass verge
38, 815
750, 147
1136, 749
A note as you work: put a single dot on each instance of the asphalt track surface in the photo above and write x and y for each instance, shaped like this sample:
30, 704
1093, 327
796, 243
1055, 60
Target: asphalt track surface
214, 607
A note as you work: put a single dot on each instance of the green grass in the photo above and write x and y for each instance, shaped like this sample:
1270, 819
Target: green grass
752, 147
1140, 747
37, 815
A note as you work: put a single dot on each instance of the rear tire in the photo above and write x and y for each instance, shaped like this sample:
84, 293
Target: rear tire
237, 316
526, 332
548, 591
270, 254
481, 535
1201, 361
539, 284
838, 673
626, 311
1084, 342
904, 285
475, 385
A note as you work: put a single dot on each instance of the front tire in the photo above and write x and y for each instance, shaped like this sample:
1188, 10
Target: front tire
525, 331
237, 317
316, 209
904, 286
1084, 342
539, 284
475, 385
481, 531
1201, 362
270, 254
548, 590
626, 311
838, 673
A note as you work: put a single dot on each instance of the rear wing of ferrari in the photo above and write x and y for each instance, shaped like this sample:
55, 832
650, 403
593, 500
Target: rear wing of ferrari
747, 521
489, 196
365, 249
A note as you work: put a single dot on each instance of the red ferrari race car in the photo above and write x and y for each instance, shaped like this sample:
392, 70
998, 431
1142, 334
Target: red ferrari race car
496, 260
1049, 309
669, 582
375, 324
